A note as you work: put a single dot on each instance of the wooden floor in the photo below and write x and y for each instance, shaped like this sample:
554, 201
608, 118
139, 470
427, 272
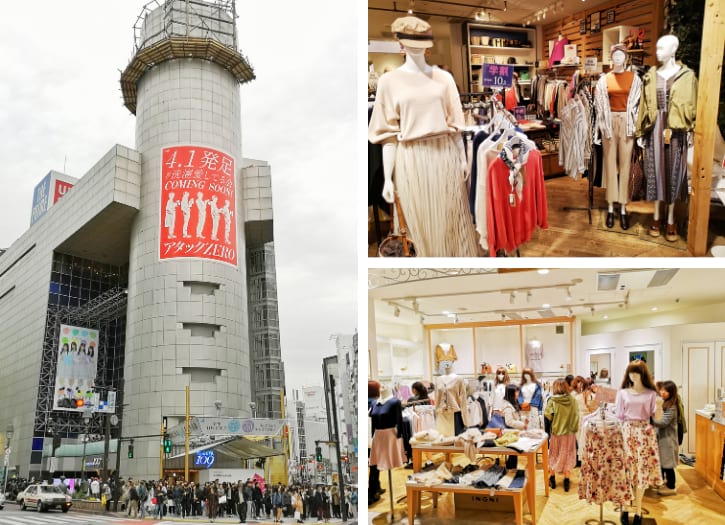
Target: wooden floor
695, 503
570, 234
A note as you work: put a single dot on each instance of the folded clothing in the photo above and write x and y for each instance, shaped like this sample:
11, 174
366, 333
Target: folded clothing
535, 433
425, 436
507, 438
489, 477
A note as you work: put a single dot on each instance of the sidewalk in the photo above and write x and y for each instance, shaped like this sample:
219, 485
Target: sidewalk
229, 519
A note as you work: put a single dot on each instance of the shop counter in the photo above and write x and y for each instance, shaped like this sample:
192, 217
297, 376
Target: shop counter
530, 455
710, 450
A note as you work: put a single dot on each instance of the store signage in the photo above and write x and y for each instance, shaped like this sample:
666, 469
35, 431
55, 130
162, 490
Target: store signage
590, 65
205, 458
497, 75
237, 427
227, 426
94, 462
48, 191
198, 215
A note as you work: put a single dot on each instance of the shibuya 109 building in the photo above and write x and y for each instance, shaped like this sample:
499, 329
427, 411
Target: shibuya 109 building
152, 272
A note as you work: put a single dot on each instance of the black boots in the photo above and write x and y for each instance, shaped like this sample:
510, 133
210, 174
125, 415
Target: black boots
552, 481
566, 484
624, 518
637, 520
624, 221
610, 219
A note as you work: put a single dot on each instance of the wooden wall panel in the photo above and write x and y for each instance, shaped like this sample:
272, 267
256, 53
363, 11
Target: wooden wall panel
646, 14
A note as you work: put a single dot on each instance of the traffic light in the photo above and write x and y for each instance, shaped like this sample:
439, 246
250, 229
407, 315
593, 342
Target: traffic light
167, 444
79, 403
130, 450
318, 453
345, 459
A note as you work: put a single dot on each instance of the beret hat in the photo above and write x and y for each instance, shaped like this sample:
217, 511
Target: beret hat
413, 32
618, 47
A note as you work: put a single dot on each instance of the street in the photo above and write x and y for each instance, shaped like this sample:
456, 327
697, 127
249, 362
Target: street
12, 515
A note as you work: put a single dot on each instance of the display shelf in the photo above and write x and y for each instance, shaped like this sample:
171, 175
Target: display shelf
479, 54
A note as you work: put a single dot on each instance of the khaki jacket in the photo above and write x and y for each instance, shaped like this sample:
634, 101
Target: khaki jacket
681, 103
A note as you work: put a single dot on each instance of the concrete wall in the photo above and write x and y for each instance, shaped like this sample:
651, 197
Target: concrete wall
114, 180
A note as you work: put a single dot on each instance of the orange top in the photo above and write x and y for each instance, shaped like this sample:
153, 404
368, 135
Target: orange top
618, 85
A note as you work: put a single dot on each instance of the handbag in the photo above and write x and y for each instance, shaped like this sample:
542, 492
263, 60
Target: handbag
637, 181
222, 500
397, 244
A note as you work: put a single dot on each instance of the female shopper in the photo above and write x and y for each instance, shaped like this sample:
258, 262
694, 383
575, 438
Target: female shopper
665, 420
563, 413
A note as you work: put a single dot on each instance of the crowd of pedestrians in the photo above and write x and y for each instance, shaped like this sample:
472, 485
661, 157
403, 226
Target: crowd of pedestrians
245, 500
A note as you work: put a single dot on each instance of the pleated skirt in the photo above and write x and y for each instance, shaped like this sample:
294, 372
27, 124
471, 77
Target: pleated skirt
429, 178
386, 450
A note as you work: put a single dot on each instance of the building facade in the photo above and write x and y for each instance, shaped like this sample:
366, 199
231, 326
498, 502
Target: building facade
164, 252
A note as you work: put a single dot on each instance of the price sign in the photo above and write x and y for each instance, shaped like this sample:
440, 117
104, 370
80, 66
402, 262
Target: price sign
520, 113
498, 76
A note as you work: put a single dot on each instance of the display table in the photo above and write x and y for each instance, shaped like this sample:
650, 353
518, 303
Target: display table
414, 490
530, 456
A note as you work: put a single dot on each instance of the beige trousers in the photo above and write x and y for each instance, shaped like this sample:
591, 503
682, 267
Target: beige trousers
617, 153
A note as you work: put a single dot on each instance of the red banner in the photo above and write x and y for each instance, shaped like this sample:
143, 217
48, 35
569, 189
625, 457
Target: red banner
198, 205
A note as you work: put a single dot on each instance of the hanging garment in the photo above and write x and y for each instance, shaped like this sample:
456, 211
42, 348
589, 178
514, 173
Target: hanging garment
603, 467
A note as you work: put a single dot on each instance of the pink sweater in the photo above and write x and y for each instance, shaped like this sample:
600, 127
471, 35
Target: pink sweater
632, 406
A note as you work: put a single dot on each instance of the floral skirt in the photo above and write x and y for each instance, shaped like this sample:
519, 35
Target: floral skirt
642, 454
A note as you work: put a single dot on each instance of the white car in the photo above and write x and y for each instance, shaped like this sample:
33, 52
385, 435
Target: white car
2, 501
43, 497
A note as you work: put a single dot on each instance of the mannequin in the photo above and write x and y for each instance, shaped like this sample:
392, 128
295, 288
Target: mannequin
667, 114
500, 381
530, 397
617, 104
535, 354
418, 118
450, 399
635, 405
386, 422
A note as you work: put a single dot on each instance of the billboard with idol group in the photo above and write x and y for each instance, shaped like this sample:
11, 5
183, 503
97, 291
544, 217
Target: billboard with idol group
198, 205
76, 368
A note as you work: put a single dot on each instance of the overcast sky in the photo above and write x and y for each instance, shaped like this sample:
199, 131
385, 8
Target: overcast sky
61, 109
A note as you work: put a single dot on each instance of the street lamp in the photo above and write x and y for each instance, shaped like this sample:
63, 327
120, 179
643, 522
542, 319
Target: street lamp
86, 419
9, 431
253, 408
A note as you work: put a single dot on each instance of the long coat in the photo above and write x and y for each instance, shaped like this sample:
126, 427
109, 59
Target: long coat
667, 437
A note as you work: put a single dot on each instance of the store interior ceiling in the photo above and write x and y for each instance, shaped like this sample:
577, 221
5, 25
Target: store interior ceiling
464, 295
381, 13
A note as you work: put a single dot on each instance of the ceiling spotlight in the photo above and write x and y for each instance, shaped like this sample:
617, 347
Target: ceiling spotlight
544, 14
455, 319
546, 305
415, 305
654, 308
396, 312
543, 271
503, 317
512, 297
568, 294
528, 296
571, 312
422, 319
592, 309
605, 316
505, 6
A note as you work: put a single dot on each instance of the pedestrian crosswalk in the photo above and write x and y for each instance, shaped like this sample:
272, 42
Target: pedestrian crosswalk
58, 518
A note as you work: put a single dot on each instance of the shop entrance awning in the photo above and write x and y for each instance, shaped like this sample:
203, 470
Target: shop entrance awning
237, 448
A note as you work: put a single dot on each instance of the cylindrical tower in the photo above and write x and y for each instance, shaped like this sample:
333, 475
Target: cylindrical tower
187, 313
